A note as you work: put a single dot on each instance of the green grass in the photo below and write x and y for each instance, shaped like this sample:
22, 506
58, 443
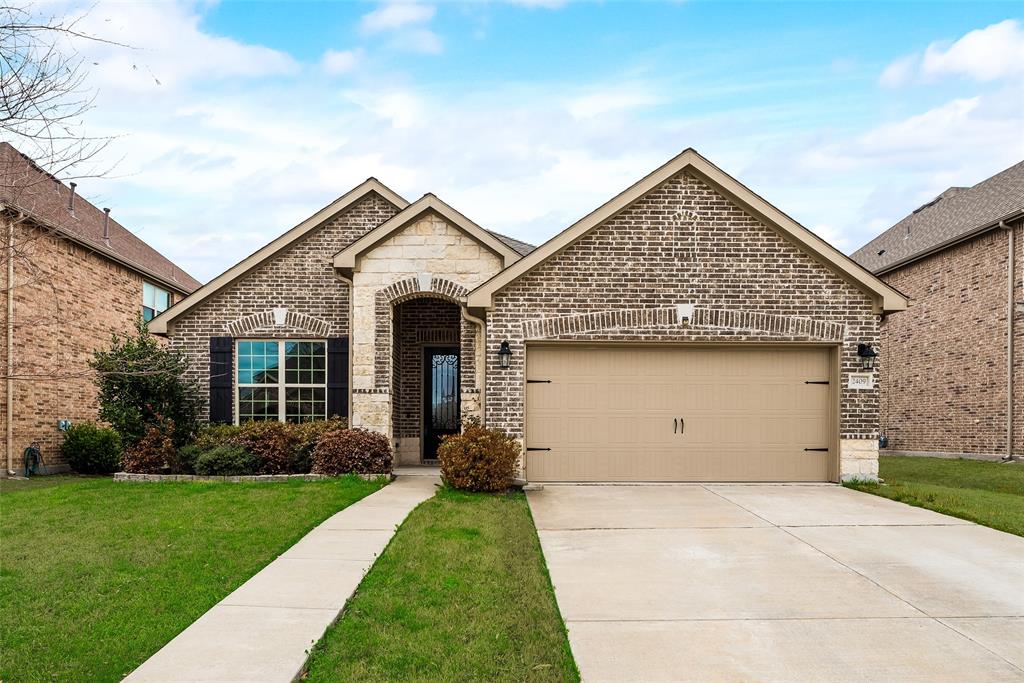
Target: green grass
95, 576
460, 594
988, 493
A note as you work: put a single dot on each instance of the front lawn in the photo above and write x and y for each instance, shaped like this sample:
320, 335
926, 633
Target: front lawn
988, 493
460, 594
96, 576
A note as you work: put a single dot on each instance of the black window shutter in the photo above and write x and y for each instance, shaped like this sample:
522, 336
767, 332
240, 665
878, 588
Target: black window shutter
337, 376
221, 379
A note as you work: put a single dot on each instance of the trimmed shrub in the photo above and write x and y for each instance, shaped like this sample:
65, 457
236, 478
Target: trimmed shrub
153, 454
216, 434
226, 461
272, 442
478, 459
308, 435
352, 451
91, 449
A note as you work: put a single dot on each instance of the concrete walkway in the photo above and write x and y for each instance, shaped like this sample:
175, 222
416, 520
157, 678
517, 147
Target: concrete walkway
264, 630
778, 583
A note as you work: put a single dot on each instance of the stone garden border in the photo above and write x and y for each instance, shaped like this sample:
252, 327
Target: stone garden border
258, 478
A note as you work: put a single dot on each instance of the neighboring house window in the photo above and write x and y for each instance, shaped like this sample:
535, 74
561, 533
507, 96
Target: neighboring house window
298, 393
154, 301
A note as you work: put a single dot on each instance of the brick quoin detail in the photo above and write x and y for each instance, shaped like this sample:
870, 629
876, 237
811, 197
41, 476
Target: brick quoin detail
264, 322
638, 318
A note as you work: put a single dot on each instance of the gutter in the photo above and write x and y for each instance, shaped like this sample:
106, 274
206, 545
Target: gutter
985, 227
9, 392
481, 359
1011, 272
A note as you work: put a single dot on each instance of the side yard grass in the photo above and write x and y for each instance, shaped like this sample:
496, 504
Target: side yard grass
95, 576
988, 493
460, 594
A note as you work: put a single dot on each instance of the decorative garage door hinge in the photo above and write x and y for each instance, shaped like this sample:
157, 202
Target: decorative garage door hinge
538, 381
817, 381
538, 449
824, 450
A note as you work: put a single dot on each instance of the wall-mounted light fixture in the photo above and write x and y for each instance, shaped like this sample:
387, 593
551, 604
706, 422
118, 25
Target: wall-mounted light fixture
504, 354
867, 356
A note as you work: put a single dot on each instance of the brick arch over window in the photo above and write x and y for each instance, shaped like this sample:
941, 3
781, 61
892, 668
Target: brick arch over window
385, 301
264, 321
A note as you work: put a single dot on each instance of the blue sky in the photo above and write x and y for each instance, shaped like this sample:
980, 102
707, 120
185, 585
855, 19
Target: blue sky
237, 120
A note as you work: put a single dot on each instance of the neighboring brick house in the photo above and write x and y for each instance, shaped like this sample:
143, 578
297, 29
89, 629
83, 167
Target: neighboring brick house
684, 330
954, 381
72, 277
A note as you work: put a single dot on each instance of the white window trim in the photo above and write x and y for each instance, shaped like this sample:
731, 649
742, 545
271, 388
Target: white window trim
282, 409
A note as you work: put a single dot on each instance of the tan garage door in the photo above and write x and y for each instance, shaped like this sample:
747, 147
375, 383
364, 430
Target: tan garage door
622, 413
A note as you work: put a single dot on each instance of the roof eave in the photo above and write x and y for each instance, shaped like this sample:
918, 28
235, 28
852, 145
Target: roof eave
159, 324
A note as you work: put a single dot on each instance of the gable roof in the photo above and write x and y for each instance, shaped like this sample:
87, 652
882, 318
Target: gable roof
159, 324
428, 203
886, 298
956, 214
26, 187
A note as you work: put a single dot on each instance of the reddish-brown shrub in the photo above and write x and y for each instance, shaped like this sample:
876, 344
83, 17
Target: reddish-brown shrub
352, 451
272, 442
153, 454
308, 435
478, 459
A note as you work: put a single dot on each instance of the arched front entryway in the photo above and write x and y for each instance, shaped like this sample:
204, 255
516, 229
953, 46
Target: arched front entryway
427, 364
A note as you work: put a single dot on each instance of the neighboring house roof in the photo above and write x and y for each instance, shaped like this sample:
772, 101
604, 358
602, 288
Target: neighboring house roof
886, 298
353, 196
27, 188
955, 215
428, 203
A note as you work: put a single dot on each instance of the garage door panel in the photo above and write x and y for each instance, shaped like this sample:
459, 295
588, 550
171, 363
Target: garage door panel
610, 414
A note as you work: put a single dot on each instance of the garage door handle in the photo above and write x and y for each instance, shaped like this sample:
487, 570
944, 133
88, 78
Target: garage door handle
675, 425
682, 426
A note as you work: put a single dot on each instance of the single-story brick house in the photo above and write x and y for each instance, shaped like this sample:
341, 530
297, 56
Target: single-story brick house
73, 275
684, 330
953, 385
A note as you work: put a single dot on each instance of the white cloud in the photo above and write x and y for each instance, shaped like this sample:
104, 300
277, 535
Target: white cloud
395, 15
545, 4
337, 62
986, 54
422, 41
610, 99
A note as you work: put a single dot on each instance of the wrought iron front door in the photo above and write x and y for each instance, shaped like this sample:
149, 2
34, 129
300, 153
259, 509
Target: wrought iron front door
440, 397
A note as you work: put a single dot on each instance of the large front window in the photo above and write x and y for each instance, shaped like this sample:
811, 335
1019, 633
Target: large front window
282, 380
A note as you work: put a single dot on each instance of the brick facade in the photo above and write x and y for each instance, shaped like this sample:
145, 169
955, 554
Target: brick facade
68, 301
944, 385
684, 243
301, 279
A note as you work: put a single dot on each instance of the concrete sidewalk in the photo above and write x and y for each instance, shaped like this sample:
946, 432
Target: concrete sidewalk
264, 630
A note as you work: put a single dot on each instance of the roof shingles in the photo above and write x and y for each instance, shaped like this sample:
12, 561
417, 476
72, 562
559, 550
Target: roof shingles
955, 214
27, 187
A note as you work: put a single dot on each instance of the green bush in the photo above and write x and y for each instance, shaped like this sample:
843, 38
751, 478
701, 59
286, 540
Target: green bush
90, 449
141, 383
154, 453
226, 461
352, 451
478, 459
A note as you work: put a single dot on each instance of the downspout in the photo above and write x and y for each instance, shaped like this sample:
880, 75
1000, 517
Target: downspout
9, 393
481, 359
351, 351
1011, 272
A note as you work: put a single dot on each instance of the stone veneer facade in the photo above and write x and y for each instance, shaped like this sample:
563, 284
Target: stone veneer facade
684, 243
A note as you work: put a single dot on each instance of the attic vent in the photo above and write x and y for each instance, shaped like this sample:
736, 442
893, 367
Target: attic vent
931, 203
881, 251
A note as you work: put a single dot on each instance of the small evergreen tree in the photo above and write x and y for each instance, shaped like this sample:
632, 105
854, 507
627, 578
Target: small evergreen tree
141, 385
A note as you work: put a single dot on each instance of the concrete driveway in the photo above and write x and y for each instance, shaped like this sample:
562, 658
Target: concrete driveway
777, 582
